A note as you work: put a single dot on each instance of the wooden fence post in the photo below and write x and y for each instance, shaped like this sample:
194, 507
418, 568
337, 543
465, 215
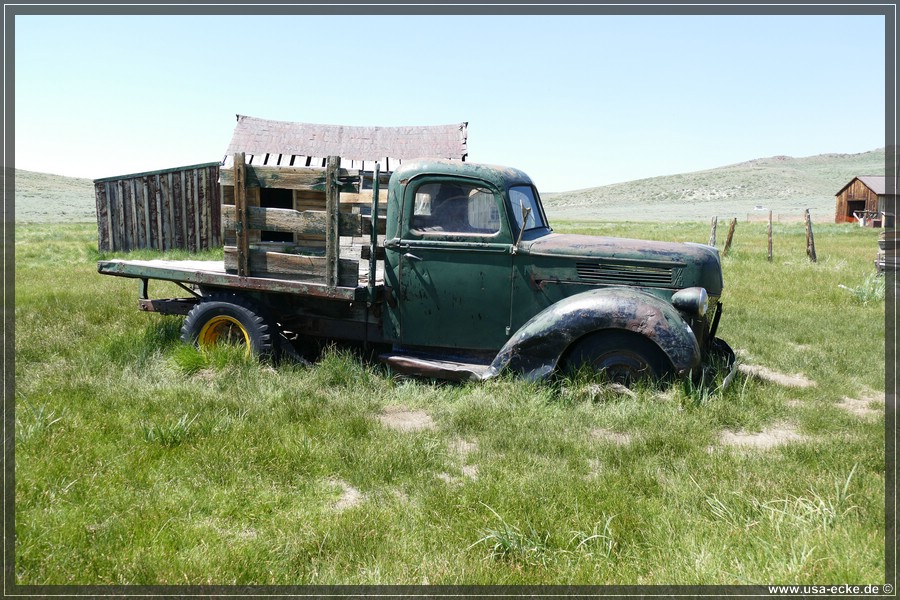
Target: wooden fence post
332, 207
712, 234
770, 236
810, 242
240, 208
729, 237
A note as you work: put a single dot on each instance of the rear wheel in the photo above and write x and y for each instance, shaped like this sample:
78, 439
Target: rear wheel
621, 356
230, 319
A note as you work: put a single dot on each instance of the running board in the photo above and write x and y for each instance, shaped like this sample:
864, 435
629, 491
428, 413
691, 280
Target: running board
421, 366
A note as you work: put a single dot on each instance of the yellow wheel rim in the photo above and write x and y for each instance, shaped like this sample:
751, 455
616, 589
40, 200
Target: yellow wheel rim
223, 329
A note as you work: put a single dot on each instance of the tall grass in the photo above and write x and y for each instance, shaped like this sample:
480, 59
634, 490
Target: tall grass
140, 461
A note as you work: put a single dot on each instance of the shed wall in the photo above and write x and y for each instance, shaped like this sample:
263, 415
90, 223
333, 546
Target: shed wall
164, 210
852, 196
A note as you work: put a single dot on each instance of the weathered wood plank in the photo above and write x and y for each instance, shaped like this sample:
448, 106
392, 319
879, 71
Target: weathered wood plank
240, 202
203, 210
253, 198
215, 207
332, 227
292, 178
118, 203
229, 237
128, 204
307, 223
168, 218
178, 211
156, 239
296, 266
102, 217
190, 202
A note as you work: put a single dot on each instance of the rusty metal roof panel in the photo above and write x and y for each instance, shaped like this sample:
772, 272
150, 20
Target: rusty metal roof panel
261, 137
876, 183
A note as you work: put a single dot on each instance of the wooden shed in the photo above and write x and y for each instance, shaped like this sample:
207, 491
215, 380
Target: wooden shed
867, 201
160, 210
274, 189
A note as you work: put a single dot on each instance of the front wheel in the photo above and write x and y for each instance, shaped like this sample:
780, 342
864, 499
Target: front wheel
621, 356
229, 319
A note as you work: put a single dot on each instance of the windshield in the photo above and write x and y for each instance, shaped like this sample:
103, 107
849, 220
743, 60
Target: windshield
523, 201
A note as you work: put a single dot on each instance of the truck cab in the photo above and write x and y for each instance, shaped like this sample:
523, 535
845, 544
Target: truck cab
473, 268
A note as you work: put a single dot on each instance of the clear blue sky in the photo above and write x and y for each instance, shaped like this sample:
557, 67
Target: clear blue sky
575, 102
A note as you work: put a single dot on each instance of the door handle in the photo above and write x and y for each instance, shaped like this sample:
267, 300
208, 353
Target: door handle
411, 256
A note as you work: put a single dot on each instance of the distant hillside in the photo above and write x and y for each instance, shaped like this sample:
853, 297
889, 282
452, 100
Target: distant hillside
44, 198
782, 184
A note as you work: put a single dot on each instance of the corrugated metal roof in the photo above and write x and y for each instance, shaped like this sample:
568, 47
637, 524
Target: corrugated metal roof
287, 143
876, 183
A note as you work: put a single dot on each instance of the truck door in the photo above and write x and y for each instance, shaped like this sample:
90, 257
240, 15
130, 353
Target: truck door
455, 266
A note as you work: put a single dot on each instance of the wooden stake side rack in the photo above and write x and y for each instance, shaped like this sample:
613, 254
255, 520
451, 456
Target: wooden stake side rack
295, 222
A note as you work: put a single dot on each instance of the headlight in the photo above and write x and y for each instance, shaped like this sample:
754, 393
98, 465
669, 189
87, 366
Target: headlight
692, 300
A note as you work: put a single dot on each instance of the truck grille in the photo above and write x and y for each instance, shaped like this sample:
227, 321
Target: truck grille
623, 274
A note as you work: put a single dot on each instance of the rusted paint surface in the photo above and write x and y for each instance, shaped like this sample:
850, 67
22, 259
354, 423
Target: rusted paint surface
435, 368
535, 350
691, 264
169, 306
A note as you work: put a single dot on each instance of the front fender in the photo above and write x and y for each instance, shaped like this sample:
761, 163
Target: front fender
536, 348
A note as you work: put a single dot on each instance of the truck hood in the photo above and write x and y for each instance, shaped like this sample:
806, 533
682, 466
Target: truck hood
660, 264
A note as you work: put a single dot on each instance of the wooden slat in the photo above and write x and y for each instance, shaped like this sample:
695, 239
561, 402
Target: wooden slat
178, 211
293, 266
292, 221
166, 187
240, 202
291, 178
128, 212
332, 227
202, 211
118, 217
215, 207
150, 212
190, 202
156, 240
102, 217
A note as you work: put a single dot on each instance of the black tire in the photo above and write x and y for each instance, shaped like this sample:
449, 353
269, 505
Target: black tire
620, 356
228, 318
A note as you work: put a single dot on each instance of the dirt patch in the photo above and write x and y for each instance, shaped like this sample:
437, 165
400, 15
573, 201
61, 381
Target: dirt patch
350, 496
463, 448
403, 419
607, 435
795, 381
768, 438
862, 407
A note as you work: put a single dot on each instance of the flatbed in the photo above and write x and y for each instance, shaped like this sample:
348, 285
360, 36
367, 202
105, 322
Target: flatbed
212, 274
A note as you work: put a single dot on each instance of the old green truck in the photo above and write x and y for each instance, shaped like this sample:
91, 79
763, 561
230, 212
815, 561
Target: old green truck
460, 276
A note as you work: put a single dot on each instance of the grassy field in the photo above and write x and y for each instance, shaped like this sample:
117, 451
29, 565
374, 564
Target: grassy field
141, 461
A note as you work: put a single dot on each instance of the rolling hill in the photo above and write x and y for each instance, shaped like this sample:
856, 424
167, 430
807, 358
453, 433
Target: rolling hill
750, 189
45, 198
782, 184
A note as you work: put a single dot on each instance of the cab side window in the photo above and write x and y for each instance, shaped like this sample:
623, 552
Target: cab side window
452, 208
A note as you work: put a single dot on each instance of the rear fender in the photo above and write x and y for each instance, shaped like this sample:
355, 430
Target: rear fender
536, 349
